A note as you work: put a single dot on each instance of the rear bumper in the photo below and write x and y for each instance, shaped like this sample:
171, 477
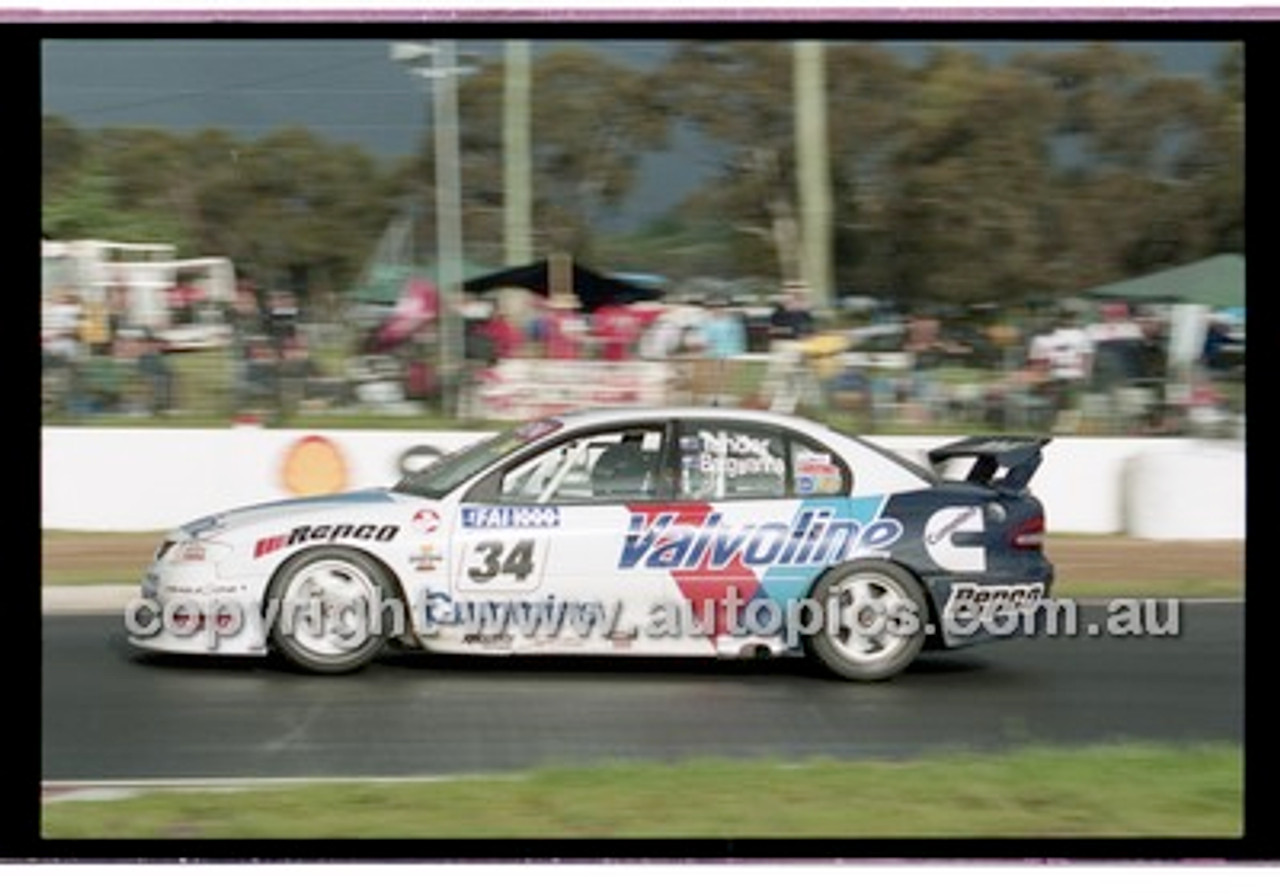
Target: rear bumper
972, 609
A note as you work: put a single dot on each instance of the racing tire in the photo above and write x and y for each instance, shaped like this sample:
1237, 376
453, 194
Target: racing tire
323, 605
874, 620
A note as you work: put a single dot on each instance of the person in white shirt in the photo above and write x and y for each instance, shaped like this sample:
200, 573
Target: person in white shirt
1065, 355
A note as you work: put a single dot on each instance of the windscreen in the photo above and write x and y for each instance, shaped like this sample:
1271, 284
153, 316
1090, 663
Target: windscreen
438, 479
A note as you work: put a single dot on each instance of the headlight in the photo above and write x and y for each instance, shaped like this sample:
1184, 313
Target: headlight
194, 551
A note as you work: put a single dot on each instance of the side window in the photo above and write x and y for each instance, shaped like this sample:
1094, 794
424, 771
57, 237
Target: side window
719, 461
614, 465
815, 471
723, 461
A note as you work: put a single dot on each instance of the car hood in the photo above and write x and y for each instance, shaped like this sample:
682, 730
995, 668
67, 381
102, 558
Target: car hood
292, 508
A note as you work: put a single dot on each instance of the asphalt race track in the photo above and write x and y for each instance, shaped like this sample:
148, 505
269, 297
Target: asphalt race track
110, 712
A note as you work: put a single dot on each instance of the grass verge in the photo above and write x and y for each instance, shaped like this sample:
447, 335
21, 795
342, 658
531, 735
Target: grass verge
95, 558
1107, 791
1171, 588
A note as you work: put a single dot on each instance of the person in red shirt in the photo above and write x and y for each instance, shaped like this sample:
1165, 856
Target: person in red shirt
617, 328
502, 334
564, 329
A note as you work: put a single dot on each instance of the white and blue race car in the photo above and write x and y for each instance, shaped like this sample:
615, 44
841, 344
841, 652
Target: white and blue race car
673, 532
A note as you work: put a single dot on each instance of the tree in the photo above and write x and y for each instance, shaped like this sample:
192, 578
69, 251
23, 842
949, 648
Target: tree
1147, 166
970, 174
1216, 162
738, 94
593, 121
62, 152
87, 207
310, 212
288, 209
958, 180
868, 88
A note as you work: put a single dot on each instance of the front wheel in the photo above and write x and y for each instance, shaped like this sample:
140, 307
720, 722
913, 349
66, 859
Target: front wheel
329, 609
873, 623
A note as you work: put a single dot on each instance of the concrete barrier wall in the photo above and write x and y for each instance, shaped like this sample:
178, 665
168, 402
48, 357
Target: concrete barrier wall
1186, 490
126, 480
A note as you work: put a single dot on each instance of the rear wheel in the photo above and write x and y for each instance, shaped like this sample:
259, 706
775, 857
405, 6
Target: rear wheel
329, 606
874, 619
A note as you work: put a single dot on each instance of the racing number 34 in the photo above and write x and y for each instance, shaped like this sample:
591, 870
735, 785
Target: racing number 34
496, 558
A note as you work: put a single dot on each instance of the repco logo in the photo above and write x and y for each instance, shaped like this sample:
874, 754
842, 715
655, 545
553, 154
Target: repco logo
1016, 595
304, 534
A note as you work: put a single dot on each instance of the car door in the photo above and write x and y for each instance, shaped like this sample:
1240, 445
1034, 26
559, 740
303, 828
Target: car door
543, 542
770, 509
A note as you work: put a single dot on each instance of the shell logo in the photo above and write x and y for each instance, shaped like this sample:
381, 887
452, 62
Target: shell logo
313, 465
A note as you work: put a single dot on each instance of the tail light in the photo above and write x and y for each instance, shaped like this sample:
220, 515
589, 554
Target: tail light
1029, 534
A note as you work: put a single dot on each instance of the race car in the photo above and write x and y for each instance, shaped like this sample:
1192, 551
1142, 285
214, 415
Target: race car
669, 532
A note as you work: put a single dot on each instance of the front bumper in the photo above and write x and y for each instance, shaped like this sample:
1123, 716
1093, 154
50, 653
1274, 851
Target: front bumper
190, 609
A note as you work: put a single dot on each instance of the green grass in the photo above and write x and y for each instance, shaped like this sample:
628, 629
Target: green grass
95, 558
1180, 588
1115, 791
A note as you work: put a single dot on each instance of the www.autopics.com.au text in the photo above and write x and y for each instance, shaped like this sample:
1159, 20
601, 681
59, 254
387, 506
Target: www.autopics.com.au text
352, 622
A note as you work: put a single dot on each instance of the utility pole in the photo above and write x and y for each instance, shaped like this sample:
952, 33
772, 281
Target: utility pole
518, 204
437, 63
813, 172
448, 225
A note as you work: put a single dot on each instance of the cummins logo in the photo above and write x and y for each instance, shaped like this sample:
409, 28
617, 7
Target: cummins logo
950, 552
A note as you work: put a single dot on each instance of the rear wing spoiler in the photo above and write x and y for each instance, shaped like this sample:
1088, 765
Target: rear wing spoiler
1018, 456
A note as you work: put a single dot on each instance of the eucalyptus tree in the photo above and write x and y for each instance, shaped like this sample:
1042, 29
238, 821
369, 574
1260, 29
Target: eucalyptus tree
89, 193
868, 87
310, 211
288, 208
62, 152
1148, 165
738, 96
593, 120
969, 179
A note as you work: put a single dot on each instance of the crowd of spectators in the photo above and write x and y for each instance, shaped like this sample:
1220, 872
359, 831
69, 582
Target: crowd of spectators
99, 358
711, 325
1100, 367
270, 356
1052, 369
1038, 372
95, 360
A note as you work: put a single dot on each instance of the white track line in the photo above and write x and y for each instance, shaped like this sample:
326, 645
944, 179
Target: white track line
125, 788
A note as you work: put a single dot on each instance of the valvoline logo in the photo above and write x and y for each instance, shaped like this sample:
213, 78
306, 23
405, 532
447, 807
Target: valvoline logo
818, 535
